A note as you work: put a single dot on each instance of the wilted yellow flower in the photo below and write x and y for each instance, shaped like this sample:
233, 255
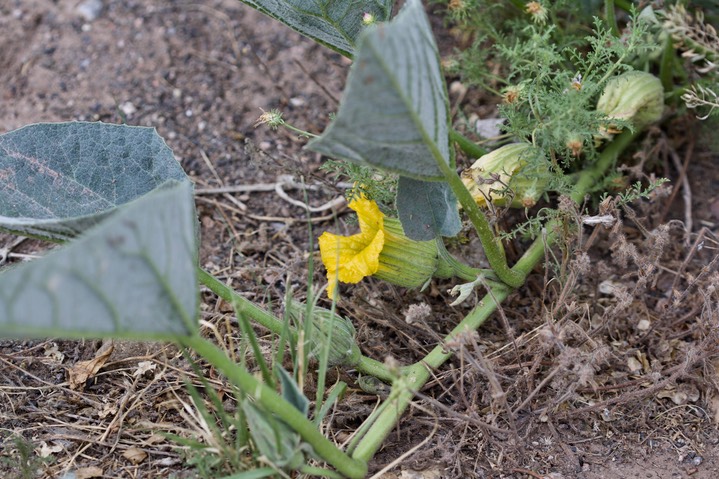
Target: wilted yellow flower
537, 11
273, 118
380, 249
511, 94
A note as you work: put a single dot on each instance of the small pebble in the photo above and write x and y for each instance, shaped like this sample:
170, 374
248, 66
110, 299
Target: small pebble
488, 127
457, 88
89, 10
128, 108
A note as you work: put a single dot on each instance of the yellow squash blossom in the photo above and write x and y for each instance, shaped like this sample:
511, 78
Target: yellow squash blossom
351, 258
380, 249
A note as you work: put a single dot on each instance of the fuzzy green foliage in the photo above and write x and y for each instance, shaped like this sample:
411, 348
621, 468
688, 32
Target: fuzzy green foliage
551, 72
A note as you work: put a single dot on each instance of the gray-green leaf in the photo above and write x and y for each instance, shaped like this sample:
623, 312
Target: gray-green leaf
58, 179
291, 391
333, 23
427, 209
134, 276
394, 112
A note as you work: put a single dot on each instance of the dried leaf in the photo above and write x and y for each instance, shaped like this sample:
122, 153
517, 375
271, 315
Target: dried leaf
143, 367
88, 472
84, 370
680, 394
714, 408
53, 352
431, 473
634, 364
109, 409
47, 450
135, 455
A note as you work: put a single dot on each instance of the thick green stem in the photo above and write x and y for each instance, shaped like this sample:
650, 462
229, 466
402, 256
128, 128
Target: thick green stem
273, 402
417, 375
372, 367
469, 147
611, 17
490, 243
666, 67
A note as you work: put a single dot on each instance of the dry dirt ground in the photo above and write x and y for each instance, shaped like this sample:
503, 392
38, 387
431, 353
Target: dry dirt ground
609, 370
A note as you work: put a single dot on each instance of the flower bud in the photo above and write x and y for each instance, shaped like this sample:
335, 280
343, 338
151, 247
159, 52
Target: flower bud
329, 326
635, 96
503, 175
575, 144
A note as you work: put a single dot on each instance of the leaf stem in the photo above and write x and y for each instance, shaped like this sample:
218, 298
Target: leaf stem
303, 133
244, 305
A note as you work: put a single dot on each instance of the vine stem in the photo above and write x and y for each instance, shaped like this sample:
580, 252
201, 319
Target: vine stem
274, 403
469, 147
490, 243
611, 17
416, 376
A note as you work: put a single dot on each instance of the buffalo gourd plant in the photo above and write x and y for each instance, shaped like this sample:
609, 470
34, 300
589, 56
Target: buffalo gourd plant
123, 210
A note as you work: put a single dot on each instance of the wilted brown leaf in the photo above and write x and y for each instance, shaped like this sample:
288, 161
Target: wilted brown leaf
135, 455
84, 370
88, 472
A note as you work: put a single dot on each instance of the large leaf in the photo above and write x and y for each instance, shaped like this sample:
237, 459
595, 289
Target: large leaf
333, 23
427, 209
134, 275
58, 179
394, 111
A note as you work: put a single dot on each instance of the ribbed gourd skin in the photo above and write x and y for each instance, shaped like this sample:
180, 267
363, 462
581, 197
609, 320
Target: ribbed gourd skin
507, 162
344, 350
404, 262
635, 96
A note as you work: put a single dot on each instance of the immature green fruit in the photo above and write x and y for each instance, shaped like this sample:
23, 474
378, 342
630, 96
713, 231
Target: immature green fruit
405, 262
504, 175
328, 326
636, 97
